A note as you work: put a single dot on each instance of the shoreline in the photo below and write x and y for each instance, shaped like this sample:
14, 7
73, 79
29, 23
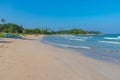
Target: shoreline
34, 60
78, 52
91, 48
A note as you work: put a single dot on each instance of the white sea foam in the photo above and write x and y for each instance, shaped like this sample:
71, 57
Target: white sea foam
112, 42
80, 37
67, 46
76, 39
66, 36
72, 36
112, 38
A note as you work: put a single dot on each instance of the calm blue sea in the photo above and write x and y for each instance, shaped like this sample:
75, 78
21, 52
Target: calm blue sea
103, 47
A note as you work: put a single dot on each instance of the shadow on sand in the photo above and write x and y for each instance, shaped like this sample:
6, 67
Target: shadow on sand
6, 41
27, 39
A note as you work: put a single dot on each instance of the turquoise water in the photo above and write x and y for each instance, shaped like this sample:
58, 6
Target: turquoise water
104, 47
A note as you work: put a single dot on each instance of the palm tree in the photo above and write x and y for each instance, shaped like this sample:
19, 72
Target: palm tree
2, 25
3, 20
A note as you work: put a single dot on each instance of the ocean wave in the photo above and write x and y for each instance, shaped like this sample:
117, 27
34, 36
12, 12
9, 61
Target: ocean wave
80, 37
112, 38
111, 42
72, 36
67, 46
76, 39
67, 36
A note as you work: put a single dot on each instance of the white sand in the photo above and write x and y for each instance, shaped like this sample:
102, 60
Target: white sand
33, 60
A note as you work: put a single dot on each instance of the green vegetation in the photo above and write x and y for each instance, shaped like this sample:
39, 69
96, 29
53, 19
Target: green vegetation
32, 31
19, 29
1, 35
11, 28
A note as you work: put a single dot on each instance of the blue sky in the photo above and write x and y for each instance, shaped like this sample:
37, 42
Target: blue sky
101, 15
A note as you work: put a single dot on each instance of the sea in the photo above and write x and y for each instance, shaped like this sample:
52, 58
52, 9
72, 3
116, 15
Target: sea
103, 47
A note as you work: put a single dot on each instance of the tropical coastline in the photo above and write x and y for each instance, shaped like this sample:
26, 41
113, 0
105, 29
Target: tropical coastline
60, 40
31, 59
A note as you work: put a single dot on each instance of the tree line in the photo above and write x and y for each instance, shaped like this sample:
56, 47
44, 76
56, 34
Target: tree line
15, 28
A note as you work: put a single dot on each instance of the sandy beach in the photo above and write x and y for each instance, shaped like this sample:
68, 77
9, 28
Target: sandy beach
33, 60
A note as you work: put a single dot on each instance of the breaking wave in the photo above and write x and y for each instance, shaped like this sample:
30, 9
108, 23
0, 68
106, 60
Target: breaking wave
67, 46
112, 38
111, 42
